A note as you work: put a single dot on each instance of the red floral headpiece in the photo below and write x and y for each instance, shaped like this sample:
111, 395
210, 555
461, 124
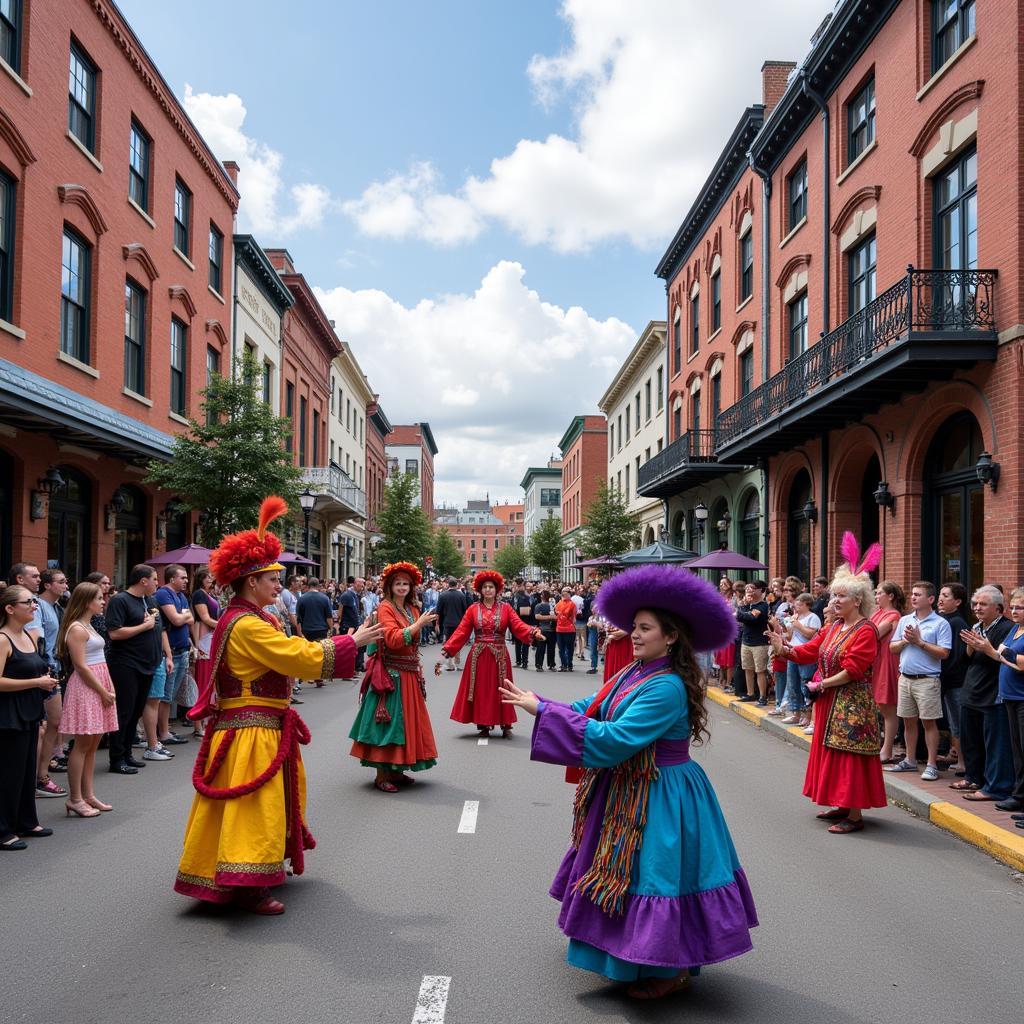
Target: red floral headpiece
250, 551
411, 570
489, 576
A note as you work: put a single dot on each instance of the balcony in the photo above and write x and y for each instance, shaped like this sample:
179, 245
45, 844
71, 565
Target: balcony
922, 329
690, 459
338, 497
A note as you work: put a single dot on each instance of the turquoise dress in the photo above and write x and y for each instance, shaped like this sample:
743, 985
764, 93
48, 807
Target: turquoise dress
688, 902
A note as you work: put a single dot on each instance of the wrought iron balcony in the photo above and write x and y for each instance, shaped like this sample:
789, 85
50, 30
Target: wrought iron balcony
922, 329
688, 460
337, 493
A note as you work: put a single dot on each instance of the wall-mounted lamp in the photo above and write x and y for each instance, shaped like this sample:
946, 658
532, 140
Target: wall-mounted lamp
51, 481
723, 523
987, 470
113, 510
811, 511
884, 498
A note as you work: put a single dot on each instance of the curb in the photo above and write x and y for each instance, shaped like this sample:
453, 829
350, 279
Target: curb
989, 838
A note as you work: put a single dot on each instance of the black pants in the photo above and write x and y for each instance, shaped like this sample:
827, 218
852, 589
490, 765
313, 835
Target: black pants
739, 676
1015, 713
522, 653
986, 748
131, 690
18, 749
548, 646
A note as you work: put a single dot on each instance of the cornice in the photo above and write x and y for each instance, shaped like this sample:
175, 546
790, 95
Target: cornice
179, 291
136, 252
215, 328
78, 195
10, 134
858, 197
252, 257
966, 93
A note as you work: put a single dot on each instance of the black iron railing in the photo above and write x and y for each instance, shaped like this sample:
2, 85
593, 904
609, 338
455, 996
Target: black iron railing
925, 302
693, 447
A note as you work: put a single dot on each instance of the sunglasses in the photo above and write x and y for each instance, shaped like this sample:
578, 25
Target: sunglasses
31, 600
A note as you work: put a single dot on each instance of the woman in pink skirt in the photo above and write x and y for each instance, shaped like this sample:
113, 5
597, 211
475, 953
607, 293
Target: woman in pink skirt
89, 704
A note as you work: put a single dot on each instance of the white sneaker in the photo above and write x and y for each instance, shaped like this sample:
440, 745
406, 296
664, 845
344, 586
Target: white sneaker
930, 774
791, 720
156, 755
809, 731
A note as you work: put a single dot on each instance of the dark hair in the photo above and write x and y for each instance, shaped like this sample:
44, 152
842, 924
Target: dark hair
201, 577
958, 590
9, 595
895, 591
685, 665
47, 576
170, 570
822, 581
312, 582
926, 585
410, 598
759, 584
139, 573
95, 577
18, 569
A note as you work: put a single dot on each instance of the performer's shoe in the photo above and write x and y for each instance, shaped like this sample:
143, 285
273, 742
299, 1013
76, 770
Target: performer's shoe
259, 901
506, 732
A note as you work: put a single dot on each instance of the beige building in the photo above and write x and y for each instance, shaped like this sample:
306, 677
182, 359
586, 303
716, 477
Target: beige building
634, 405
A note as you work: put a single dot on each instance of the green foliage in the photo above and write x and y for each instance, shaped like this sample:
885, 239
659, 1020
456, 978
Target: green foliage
402, 523
448, 560
609, 529
545, 547
233, 458
511, 560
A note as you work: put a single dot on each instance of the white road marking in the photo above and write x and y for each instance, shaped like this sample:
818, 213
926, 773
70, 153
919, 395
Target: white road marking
432, 1000
482, 742
467, 823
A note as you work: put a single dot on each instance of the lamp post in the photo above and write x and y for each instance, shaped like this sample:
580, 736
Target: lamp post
307, 499
700, 514
723, 529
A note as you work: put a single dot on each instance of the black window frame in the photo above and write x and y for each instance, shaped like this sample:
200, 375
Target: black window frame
182, 228
796, 326
267, 381
953, 31
677, 340
661, 388
303, 430
695, 417
859, 272
135, 346
316, 437
8, 224
716, 301
289, 412
860, 121
746, 374
10, 36
216, 247
716, 398
76, 111
694, 324
747, 265
796, 195
81, 345
178, 396
961, 201
138, 180
647, 400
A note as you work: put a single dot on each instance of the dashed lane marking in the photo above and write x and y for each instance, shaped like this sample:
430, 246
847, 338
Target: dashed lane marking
482, 742
467, 823
432, 1000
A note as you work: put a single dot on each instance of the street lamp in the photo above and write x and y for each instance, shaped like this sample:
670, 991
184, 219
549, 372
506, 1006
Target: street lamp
307, 499
700, 514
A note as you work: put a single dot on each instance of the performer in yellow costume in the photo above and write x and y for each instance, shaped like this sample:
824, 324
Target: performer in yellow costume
248, 815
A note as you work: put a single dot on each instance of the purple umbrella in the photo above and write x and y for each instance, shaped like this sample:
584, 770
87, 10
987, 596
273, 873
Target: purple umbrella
290, 558
723, 558
595, 563
190, 554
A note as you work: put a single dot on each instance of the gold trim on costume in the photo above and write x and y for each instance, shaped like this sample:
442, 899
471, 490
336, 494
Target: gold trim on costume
199, 880
249, 720
327, 672
248, 868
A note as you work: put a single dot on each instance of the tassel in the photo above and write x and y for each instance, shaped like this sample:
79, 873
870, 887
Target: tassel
381, 716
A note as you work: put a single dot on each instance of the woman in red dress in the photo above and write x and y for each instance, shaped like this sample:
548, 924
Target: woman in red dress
618, 652
478, 700
892, 602
843, 770
725, 659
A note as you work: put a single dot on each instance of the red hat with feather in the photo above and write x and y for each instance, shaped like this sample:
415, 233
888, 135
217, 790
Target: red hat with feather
488, 576
250, 551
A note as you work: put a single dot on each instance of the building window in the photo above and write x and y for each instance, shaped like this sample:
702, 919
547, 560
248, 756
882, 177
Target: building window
268, 375
303, 430
637, 421
619, 444
182, 217
138, 165
626, 471
289, 411
716, 399
134, 338
627, 424
694, 323
483, 543
82, 99
74, 297
695, 415
7, 214
860, 121
661, 388
216, 258
796, 191
412, 466
677, 420
952, 26
862, 275
611, 440
179, 348
212, 364
10, 36
747, 372
677, 341
716, 302
956, 214
796, 315
647, 401
550, 497
746, 266
340, 404
316, 438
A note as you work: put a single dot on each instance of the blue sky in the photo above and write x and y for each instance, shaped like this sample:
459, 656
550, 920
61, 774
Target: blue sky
480, 192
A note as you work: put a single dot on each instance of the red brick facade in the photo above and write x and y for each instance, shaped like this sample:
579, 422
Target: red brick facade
418, 435
584, 449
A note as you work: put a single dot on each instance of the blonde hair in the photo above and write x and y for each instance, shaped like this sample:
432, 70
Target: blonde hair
857, 586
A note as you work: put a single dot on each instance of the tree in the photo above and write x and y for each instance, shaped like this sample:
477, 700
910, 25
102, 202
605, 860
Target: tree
403, 525
231, 460
448, 560
609, 529
545, 547
511, 560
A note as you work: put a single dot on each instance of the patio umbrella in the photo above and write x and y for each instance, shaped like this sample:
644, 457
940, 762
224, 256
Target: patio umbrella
190, 554
595, 563
723, 558
658, 552
290, 558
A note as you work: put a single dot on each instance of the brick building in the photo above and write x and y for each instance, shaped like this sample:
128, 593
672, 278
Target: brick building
584, 464
512, 516
845, 390
479, 531
378, 426
411, 449
115, 285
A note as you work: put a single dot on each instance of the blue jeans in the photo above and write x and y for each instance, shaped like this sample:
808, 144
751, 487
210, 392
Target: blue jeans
176, 678
797, 678
951, 705
566, 647
592, 645
780, 686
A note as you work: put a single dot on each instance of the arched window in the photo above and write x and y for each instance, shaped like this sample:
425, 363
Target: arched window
750, 526
798, 547
129, 532
69, 537
718, 536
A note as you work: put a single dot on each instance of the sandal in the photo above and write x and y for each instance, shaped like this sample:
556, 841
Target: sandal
384, 786
978, 797
401, 779
836, 814
964, 787
658, 988
842, 828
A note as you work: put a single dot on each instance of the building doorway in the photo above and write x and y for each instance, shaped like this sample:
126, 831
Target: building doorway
6, 508
798, 532
69, 534
129, 533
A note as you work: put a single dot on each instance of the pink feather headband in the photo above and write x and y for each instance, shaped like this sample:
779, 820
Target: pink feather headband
849, 548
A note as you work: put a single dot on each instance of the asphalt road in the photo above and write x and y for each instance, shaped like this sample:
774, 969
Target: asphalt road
899, 923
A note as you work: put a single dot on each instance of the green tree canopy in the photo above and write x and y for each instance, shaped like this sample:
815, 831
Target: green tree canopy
405, 530
545, 547
511, 560
448, 560
609, 529
229, 461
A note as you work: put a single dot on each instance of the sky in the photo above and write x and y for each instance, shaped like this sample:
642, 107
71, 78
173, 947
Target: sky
478, 192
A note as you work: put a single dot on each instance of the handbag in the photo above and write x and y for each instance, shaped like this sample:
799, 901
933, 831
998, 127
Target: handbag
852, 725
188, 692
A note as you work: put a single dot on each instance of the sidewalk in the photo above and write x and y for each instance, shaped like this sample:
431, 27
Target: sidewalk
979, 824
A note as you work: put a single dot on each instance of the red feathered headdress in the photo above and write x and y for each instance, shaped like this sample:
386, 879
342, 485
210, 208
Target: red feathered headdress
410, 570
488, 576
250, 551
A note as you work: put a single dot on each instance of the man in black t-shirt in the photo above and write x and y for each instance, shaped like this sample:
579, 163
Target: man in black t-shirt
133, 624
544, 617
753, 618
523, 607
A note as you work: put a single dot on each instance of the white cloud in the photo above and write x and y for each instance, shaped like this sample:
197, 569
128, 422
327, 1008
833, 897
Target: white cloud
260, 181
498, 373
657, 87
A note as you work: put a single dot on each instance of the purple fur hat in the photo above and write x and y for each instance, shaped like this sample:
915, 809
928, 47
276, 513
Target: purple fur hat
698, 603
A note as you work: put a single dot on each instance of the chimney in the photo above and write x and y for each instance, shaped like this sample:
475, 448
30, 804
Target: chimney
232, 168
774, 78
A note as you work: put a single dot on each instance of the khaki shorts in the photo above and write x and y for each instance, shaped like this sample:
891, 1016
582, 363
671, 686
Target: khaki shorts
919, 698
754, 658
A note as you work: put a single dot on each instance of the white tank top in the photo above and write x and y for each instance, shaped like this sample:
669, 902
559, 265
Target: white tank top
94, 648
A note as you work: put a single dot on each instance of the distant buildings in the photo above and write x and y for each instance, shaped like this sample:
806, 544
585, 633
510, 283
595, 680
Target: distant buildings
411, 449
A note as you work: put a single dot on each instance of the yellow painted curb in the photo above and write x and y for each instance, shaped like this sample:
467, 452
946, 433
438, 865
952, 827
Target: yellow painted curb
719, 697
749, 713
991, 838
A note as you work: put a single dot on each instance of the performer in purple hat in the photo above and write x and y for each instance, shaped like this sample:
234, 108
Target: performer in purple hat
651, 888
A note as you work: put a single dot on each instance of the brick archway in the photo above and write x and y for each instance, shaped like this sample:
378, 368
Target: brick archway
858, 466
